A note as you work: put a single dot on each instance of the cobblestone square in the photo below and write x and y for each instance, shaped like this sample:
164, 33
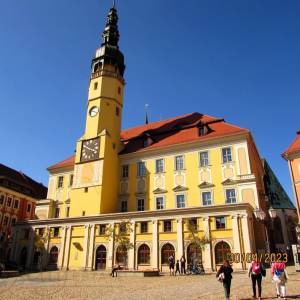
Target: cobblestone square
96, 285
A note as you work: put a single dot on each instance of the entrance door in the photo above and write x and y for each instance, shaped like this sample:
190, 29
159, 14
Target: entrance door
101, 258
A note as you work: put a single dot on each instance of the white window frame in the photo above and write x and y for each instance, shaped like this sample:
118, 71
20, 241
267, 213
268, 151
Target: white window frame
159, 168
225, 158
211, 197
137, 204
58, 182
124, 167
235, 193
164, 202
138, 168
181, 164
200, 161
184, 198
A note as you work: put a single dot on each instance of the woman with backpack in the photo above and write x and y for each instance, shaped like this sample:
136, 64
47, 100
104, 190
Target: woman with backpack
224, 276
280, 277
256, 271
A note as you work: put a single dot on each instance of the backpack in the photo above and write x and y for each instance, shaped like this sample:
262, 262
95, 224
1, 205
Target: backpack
278, 272
256, 268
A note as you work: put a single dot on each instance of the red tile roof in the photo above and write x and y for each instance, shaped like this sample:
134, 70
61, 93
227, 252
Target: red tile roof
294, 146
20, 182
178, 130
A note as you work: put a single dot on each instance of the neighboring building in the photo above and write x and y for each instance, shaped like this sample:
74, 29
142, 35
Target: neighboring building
18, 196
283, 213
292, 155
192, 169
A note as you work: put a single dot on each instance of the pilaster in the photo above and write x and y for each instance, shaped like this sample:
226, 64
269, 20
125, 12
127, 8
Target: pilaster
155, 245
61, 253
91, 248
67, 247
180, 249
207, 256
236, 240
131, 252
86, 246
110, 248
30, 249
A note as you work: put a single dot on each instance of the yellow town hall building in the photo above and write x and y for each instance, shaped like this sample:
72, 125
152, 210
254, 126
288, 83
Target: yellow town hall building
159, 178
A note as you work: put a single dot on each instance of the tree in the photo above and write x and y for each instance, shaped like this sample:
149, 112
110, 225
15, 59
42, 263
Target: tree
121, 237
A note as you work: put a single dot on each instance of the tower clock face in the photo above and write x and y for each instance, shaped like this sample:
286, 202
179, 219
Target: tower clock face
94, 111
90, 149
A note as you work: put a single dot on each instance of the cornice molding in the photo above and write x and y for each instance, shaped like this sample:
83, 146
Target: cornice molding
203, 211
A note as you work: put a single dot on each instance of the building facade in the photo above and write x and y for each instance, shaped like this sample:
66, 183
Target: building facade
18, 197
158, 178
292, 156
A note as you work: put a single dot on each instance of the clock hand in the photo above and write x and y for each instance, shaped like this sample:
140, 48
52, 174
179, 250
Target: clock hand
84, 146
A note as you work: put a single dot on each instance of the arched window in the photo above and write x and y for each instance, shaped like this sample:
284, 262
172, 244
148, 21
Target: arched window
221, 252
100, 258
166, 251
53, 255
144, 255
278, 237
194, 254
121, 256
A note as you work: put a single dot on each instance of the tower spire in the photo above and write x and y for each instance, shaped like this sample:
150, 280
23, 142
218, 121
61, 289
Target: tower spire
110, 35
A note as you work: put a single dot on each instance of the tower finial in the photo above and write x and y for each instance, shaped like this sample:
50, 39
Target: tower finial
146, 114
114, 4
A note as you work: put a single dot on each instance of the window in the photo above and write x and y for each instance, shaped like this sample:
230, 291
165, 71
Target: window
160, 203
125, 171
102, 229
141, 169
5, 221
83, 213
117, 111
86, 189
140, 204
179, 163
71, 180
28, 207
204, 159
13, 220
220, 222
56, 213
56, 231
144, 227
124, 206
230, 196
9, 200
222, 252
2, 199
167, 226
123, 227
41, 231
26, 233
119, 90
68, 211
159, 163
206, 198
95, 85
60, 183
226, 155
16, 204
193, 223
180, 201
203, 130
144, 255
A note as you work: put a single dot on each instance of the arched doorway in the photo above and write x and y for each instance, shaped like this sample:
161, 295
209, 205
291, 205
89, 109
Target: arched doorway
166, 251
23, 257
100, 258
221, 252
144, 255
53, 256
194, 254
121, 256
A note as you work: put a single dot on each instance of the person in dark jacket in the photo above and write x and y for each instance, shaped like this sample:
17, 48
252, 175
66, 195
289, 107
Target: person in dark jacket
224, 273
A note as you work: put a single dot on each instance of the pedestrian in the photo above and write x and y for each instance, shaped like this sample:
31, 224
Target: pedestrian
280, 277
182, 264
224, 276
114, 271
177, 267
171, 264
256, 271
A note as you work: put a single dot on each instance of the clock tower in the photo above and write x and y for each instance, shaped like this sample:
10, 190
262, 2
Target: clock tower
96, 172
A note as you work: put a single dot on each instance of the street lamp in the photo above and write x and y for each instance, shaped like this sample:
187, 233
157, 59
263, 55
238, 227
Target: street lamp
272, 213
260, 216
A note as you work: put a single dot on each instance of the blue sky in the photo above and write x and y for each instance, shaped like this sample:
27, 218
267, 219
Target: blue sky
233, 59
